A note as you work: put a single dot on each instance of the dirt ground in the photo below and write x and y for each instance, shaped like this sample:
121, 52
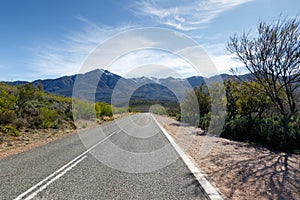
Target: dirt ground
13, 145
239, 170
29, 139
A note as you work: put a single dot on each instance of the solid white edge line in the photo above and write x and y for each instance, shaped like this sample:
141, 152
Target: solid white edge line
32, 195
21, 196
211, 192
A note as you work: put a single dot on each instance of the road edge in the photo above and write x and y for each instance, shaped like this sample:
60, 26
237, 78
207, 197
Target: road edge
210, 191
5, 154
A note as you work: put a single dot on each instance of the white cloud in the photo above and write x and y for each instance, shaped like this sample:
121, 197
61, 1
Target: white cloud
213, 61
225, 62
155, 63
221, 58
184, 15
77, 52
67, 56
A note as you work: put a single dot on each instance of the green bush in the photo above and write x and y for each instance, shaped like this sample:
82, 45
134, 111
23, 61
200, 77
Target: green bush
9, 130
102, 109
235, 129
205, 121
8, 117
83, 110
268, 132
48, 118
26, 106
120, 110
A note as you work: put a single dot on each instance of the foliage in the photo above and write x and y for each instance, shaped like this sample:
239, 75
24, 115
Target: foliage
246, 99
268, 132
83, 110
9, 130
272, 57
265, 110
28, 107
196, 106
8, 100
143, 105
120, 110
103, 109
158, 109
204, 121
48, 118
250, 115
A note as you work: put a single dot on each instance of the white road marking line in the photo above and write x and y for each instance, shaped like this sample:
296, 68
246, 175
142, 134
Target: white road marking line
32, 195
21, 196
205, 184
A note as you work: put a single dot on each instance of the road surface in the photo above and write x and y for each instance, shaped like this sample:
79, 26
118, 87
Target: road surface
124, 161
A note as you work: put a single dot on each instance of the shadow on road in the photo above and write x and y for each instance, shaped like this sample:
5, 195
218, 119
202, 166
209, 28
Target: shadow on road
198, 191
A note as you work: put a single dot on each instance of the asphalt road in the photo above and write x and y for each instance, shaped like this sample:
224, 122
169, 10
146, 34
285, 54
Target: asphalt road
128, 158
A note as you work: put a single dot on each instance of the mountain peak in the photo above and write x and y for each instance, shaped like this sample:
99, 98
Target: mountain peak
107, 82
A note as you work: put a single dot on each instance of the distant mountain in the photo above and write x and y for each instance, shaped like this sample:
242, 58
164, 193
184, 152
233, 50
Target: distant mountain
60, 86
103, 85
195, 81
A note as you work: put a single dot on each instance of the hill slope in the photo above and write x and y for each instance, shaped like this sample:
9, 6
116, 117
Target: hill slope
165, 89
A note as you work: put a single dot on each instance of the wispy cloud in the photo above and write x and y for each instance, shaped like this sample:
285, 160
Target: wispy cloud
154, 63
185, 15
67, 56
221, 58
78, 53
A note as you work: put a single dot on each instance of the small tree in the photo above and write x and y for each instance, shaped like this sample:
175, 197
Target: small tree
272, 57
196, 106
245, 99
190, 108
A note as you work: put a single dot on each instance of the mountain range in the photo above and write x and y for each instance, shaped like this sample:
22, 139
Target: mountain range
104, 86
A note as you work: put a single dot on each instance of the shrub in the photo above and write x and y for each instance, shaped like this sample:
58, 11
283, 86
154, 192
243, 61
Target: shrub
235, 129
268, 132
8, 117
9, 130
48, 118
119, 110
205, 121
102, 109
83, 110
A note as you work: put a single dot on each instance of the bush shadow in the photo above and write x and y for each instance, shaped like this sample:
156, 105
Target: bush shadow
270, 175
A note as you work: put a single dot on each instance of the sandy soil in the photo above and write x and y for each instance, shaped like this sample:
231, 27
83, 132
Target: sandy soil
239, 170
13, 145
29, 139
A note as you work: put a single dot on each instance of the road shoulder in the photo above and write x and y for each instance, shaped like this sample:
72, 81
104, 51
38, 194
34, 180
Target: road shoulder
240, 170
209, 190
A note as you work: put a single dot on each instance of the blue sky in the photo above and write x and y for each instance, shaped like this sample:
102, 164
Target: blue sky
50, 38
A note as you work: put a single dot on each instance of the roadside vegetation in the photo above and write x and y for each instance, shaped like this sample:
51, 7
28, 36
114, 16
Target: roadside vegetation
166, 107
264, 108
26, 110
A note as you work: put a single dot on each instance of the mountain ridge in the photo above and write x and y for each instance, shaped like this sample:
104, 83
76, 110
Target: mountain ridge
150, 88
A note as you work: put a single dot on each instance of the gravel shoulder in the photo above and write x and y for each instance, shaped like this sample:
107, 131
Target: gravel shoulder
240, 170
